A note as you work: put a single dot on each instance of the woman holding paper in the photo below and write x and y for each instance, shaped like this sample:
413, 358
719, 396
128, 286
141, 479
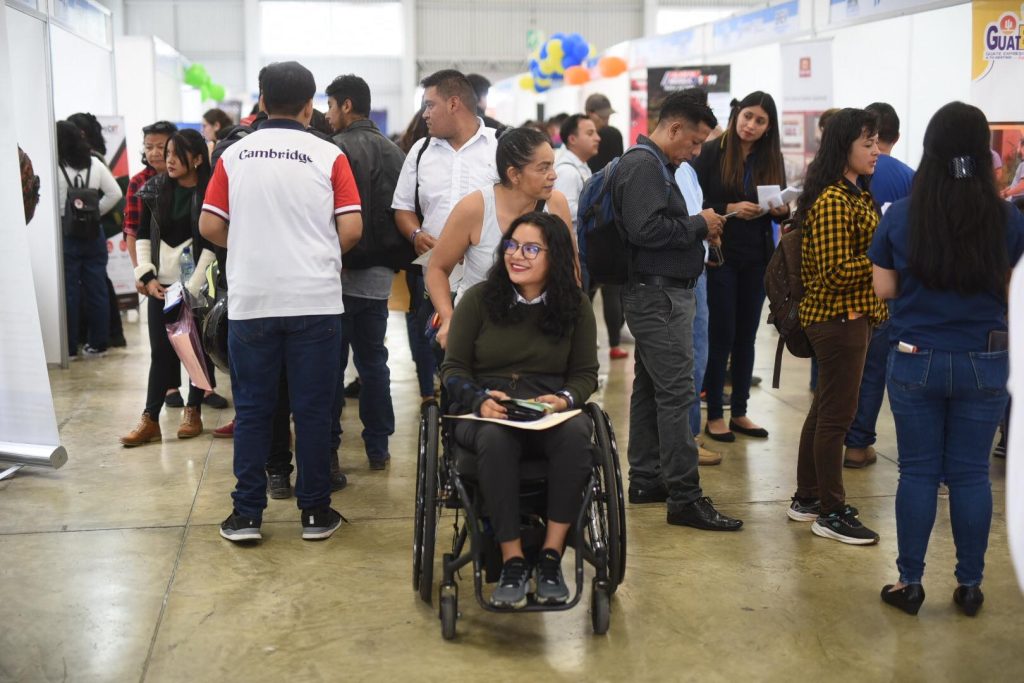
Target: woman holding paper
169, 225
527, 331
735, 171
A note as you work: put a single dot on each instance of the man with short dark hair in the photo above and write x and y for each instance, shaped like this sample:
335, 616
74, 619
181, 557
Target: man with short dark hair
366, 278
891, 181
482, 86
579, 134
666, 257
293, 210
456, 158
599, 110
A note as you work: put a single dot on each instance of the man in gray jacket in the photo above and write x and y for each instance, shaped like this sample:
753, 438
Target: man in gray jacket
369, 267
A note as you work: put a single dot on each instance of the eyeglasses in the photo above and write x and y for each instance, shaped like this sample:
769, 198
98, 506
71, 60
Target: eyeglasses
530, 249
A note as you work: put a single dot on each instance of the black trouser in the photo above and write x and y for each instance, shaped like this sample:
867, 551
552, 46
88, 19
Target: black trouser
611, 306
164, 365
280, 460
498, 449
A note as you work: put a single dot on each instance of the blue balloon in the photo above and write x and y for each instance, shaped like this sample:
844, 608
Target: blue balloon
558, 36
535, 68
540, 88
543, 51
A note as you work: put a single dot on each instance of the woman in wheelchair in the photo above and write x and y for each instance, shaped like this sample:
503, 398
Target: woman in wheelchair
527, 331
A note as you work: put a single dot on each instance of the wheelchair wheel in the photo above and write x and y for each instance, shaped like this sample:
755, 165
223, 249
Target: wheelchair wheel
425, 524
449, 615
612, 500
600, 610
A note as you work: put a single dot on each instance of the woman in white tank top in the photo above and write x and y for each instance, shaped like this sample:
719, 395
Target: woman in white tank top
474, 228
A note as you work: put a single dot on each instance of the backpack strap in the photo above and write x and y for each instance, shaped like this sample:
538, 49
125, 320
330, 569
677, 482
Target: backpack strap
540, 205
66, 176
777, 372
416, 193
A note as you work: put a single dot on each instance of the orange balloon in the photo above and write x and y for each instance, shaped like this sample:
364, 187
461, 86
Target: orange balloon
576, 75
610, 67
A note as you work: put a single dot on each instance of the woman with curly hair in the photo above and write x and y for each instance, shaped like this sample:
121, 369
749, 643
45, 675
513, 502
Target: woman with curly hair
527, 331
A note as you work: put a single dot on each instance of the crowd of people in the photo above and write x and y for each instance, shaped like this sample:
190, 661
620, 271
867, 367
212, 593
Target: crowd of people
904, 276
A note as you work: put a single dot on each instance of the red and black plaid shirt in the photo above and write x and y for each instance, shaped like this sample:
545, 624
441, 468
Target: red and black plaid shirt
132, 204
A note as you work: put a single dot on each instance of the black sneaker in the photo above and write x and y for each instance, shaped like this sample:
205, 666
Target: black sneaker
1000, 450
380, 463
279, 485
240, 529
319, 523
338, 478
352, 390
809, 509
215, 401
648, 494
174, 400
845, 528
551, 588
511, 590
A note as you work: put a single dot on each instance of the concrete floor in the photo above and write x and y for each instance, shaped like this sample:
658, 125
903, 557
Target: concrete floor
113, 569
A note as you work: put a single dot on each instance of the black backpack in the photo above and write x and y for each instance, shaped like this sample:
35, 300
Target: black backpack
784, 288
604, 251
82, 209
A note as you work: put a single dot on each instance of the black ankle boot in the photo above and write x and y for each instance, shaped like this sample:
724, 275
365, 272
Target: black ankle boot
908, 598
969, 599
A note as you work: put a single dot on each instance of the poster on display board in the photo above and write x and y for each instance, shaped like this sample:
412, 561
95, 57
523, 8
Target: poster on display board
119, 264
767, 25
845, 11
648, 93
807, 88
997, 58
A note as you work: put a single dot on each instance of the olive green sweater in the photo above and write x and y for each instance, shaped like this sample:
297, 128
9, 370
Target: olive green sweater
479, 348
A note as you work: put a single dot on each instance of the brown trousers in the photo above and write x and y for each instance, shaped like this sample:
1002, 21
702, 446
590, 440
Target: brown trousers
840, 346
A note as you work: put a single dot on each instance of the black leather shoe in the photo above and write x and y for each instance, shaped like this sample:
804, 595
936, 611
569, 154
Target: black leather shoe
908, 598
174, 400
726, 437
969, 598
758, 433
279, 486
338, 479
702, 514
653, 494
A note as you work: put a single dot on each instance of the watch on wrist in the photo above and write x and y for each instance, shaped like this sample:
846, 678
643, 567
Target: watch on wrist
564, 393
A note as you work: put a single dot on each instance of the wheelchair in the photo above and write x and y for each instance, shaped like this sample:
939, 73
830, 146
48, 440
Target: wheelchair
445, 481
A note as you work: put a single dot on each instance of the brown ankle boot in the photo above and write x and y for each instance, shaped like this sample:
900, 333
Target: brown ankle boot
856, 458
191, 423
147, 431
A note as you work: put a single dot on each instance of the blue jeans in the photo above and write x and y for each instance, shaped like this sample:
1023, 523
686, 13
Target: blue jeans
85, 275
946, 406
306, 345
420, 310
700, 347
872, 390
363, 326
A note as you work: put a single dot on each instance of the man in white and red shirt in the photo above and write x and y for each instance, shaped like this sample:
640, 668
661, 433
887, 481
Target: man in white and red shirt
285, 204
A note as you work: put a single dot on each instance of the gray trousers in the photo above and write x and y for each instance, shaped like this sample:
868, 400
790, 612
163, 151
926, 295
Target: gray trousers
661, 445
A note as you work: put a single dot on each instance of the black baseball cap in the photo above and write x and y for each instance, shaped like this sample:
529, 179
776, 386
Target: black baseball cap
160, 127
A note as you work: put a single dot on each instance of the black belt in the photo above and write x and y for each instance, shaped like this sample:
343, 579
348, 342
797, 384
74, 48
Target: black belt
665, 281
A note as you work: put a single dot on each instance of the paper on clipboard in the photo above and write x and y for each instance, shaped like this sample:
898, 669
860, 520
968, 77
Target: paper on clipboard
423, 259
546, 422
772, 196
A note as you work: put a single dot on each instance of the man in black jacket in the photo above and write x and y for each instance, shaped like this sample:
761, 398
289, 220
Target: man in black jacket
666, 258
369, 267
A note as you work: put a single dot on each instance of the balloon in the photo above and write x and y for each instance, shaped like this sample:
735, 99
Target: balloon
541, 84
576, 75
526, 82
216, 92
195, 75
610, 67
591, 52
204, 92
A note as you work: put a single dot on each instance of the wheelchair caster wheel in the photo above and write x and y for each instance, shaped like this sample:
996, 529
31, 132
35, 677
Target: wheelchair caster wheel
600, 610
449, 613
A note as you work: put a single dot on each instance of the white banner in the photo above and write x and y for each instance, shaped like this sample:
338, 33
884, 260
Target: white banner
806, 93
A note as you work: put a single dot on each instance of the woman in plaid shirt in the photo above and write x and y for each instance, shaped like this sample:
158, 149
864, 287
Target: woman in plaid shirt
837, 311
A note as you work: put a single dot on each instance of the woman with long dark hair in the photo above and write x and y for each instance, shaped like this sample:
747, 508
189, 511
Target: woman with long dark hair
838, 220
527, 331
170, 225
85, 256
943, 257
729, 169
526, 173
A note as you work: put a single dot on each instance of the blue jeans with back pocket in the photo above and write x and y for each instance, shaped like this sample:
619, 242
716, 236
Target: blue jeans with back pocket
946, 406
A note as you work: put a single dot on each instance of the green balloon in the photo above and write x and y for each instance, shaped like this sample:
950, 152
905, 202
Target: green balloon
216, 92
204, 92
195, 75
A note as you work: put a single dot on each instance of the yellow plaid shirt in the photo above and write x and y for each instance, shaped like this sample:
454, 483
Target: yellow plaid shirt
835, 269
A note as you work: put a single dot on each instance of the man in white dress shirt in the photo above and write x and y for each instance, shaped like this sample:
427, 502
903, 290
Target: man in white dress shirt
579, 135
456, 157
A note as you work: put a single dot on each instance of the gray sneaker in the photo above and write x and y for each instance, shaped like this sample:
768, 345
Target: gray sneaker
511, 590
240, 529
319, 523
551, 588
